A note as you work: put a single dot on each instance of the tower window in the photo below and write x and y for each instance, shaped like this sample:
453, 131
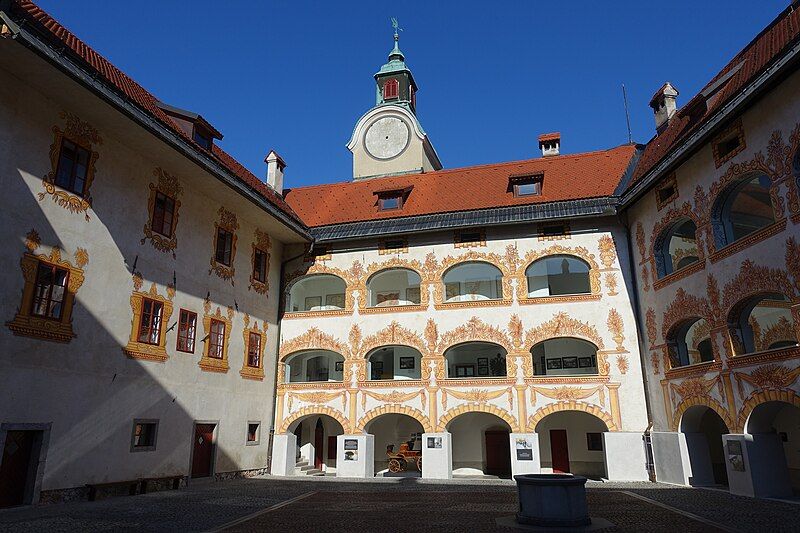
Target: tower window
390, 89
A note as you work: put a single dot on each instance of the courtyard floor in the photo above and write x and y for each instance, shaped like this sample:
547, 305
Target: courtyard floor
394, 504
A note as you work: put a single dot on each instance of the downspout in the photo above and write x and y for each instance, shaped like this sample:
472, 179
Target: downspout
638, 319
279, 321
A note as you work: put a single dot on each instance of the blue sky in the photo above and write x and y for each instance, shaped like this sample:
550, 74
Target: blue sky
297, 75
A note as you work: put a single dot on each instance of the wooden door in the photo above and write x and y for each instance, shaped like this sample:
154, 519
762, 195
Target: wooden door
332, 447
559, 452
319, 440
16, 468
203, 450
498, 453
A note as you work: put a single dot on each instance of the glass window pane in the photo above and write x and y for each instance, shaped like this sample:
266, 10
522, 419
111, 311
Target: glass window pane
750, 208
473, 281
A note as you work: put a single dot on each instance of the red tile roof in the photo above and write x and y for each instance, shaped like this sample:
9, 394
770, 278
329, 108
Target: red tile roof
754, 59
549, 136
62, 37
566, 177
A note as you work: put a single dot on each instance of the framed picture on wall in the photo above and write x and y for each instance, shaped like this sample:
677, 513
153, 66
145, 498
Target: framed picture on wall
465, 371
412, 294
554, 364
339, 366
387, 298
483, 361
335, 300
406, 363
569, 362
313, 302
483, 370
584, 362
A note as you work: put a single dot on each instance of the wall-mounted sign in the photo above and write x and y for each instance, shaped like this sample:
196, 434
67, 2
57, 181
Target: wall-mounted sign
524, 449
735, 456
350, 444
434, 442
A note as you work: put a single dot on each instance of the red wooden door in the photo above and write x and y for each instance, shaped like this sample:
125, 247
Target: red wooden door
319, 440
203, 450
498, 453
332, 447
16, 467
559, 451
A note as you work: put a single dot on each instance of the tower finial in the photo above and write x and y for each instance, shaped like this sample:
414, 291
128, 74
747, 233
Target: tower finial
396, 53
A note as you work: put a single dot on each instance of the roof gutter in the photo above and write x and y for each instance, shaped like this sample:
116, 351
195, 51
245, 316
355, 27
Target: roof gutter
521, 214
132, 110
691, 143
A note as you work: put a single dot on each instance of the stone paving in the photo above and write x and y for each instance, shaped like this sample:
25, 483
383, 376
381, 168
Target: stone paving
328, 504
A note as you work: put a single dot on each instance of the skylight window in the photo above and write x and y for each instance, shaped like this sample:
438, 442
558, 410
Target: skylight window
387, 203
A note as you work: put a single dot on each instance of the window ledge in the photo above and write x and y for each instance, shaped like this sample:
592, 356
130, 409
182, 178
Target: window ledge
210, 364
560, 298
697, 369
248, 372
560, 380
745, 242
316, 314
684, 272
472, 303
41, 328
392, 309
392, 383
146, 352
778, 354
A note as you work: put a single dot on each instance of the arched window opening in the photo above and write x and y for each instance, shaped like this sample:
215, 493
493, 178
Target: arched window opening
314, 365
476, 359
394, 362
690, 343
473, 281
564, 357
765, 323
746, 208
395, 286
390, 89
558, 275
677, 247
319, 292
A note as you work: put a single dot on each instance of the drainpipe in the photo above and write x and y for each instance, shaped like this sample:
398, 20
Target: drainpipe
281, 311
638, 319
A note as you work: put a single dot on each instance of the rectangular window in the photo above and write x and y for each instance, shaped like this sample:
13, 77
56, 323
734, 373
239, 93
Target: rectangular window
202, 140
50, 290
254, 350
594, 442
73, 165
224, 245
395, 245
163, 214
387, 203
187, 329
471, 237
553, 230
253, 430
150, 321
144, 435
216, 339
260, 266
532, 188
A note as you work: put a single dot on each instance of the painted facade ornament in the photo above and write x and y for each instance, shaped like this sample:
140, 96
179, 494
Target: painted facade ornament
516, 331
611, 283
608, 251
622, 364
556, 249
694, 387
474, 330
640, 244
393, 334
650, 326
143, 350
753, 279
226, 221
247, 371
263, 244
765, 377
85, 136
616, 327
169, 186
684, 307
476, 396
645, 278
32, 240
393, 397
793, 262
313, 339
654, 361
562, 325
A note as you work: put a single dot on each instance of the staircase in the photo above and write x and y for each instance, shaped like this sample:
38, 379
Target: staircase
304, 468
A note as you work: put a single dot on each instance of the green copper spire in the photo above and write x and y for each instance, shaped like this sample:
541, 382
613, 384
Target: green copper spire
396, 54
394, 82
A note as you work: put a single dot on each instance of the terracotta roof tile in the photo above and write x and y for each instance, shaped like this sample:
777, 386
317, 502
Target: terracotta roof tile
566, 177
751, 61
59, 36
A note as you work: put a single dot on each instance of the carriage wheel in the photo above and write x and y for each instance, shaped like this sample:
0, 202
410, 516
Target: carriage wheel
395, 466
419, 463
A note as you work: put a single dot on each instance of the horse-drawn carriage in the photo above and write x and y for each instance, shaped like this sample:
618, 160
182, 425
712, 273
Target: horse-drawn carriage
409, 452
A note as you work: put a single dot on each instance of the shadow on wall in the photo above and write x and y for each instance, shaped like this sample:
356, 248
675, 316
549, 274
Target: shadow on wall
71, 407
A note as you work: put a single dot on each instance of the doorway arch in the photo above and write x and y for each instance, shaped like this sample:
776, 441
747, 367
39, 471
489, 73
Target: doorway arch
481, 445
570, 441
777, 422
703, 428
316, 442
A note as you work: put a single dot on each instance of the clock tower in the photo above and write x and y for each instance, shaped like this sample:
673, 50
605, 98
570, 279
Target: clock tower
388, 139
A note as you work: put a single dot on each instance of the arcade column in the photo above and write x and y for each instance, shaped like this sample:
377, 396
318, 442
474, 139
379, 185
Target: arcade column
437, 455
355, 456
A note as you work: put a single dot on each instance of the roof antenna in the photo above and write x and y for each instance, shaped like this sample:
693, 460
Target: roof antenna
627, 116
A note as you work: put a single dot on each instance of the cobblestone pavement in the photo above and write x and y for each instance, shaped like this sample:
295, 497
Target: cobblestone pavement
326, 504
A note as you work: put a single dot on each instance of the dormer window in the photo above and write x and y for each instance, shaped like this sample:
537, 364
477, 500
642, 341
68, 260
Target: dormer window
202, 139
391, 89
392, 199
526, 185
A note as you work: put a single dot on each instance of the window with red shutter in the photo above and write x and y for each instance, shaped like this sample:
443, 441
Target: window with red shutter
390, 89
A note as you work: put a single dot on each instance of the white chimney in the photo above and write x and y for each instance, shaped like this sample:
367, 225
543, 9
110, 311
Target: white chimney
550, 143
665, 105
275, 166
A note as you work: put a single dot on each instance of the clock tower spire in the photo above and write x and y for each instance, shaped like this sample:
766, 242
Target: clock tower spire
388, 140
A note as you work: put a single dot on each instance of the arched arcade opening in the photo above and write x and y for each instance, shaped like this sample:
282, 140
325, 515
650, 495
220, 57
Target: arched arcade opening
775, 429
481, 445
572, 442
398, 437
316, 444
703, 429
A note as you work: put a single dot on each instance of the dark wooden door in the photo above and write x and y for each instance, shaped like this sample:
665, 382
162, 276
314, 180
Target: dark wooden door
498, 453
319, 440
559, 451
332, 447
16, 468
203, 450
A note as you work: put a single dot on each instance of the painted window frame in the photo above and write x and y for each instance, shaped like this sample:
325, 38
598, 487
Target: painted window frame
190, 335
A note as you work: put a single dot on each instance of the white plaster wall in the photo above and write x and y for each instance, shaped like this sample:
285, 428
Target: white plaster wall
581, 460
776, 111
88, 389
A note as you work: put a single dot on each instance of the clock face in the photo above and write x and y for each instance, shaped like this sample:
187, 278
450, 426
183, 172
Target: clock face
386, 138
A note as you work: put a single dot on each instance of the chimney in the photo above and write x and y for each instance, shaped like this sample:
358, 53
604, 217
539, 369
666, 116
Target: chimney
275, 166
550, 143
664, 104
